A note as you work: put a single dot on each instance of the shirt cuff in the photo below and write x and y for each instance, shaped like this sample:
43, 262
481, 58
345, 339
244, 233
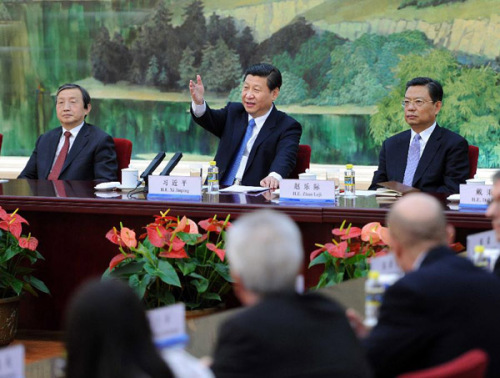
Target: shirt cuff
198, 110
277, 176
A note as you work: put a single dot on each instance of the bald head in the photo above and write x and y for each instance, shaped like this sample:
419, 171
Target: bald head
416, 224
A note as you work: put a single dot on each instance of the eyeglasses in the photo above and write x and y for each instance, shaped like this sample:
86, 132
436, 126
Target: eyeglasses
418, 102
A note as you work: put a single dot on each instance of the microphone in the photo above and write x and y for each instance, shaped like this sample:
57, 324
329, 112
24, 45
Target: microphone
152, 166
171, 164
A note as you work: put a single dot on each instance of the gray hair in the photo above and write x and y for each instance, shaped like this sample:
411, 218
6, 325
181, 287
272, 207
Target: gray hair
264, 249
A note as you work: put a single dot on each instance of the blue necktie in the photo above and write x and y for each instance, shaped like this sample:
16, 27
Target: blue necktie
233, 169
412, 162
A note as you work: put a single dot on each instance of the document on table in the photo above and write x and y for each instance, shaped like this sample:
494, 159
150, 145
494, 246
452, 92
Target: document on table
243, 189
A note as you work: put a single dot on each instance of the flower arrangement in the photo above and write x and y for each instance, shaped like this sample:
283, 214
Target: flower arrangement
17, 254
174, 261
349, 254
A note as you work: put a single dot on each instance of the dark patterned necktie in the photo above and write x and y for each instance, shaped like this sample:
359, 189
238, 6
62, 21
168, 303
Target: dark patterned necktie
56, 169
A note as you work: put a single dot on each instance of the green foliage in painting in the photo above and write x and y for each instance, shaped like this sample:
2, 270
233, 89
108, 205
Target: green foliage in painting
293, 91
221, 67
361, 71
471, 103
426, 3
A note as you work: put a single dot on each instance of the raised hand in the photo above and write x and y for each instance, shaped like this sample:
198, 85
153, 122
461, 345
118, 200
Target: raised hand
197, 90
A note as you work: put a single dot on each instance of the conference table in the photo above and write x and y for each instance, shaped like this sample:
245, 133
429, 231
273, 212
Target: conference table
71, 219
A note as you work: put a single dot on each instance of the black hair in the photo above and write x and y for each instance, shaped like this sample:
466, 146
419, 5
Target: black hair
85, 94
108, 334
266, 70
434, 87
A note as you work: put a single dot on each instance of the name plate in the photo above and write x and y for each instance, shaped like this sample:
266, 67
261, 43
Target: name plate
12, 361
307, 190
174, 186
168, 325
472, 195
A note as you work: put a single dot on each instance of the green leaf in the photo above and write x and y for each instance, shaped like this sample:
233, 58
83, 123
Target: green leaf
211, 296
166, 298
201, 283
322, 258
223, 271
37, 284
188, 238
9, 253
165, 272
186, 267
125, 270
139, 285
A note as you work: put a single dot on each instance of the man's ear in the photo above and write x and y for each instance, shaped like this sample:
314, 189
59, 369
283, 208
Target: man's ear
450, 233
275, 92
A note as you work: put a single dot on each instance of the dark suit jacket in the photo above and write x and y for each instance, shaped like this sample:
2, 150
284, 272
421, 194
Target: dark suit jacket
91, 157
289, 335
443, 165
432, 315
274, 150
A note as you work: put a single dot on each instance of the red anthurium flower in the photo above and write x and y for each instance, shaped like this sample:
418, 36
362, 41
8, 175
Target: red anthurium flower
212, 224
30, 242
174, 254
176, 244
457, 247
218, 251
118, 259
158, 235
112, 236
127, 237
370, 232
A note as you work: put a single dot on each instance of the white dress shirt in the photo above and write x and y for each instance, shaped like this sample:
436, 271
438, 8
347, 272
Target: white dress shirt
74, 132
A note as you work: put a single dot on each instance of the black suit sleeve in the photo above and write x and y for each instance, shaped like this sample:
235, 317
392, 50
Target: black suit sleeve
105, 163
456, 169
286, 150
30, 171
402, 333
380, 175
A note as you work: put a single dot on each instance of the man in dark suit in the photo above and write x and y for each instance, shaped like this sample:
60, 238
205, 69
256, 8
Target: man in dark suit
281, 333
258, 144
76, 150
443, 307
493, 212
427, 157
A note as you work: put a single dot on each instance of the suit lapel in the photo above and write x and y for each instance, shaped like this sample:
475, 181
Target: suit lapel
78, 145
50, 153
266, 130
401, 155
431, 148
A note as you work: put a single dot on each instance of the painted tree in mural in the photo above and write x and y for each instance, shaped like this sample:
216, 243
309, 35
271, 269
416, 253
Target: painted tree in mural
221, 67
110, 59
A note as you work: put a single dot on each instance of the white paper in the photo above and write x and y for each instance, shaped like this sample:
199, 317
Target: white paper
243, 189
12, 361
168, 323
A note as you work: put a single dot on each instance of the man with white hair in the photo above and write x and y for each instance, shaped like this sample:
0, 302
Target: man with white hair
443, 307
281, 333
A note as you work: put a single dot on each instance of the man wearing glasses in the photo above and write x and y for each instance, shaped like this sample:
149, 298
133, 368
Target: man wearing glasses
427, 157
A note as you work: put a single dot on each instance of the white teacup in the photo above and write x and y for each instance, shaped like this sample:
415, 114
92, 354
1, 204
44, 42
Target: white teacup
129, 177
307, 176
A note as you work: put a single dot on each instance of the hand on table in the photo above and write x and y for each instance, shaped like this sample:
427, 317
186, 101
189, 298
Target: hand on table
356, 323
270, 182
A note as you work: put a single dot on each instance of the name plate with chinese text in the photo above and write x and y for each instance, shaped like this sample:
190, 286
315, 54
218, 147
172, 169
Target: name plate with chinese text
168, 325
472, 195
174, 186
12, 361
307, 190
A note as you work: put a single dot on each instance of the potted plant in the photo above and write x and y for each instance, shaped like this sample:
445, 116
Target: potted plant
17, 256
348, 255
174, 261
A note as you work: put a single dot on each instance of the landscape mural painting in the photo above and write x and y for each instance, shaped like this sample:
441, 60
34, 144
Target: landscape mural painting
344, 65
